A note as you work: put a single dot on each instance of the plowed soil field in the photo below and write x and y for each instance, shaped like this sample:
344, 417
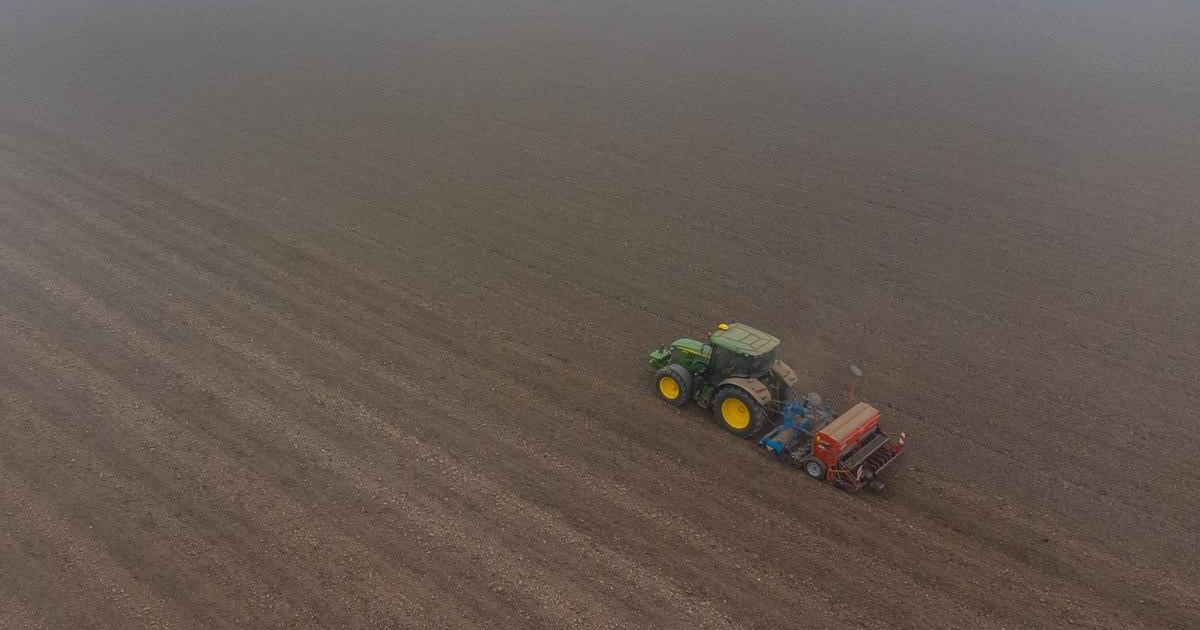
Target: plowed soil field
335, 315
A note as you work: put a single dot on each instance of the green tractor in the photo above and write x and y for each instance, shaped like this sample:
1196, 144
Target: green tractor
735, 373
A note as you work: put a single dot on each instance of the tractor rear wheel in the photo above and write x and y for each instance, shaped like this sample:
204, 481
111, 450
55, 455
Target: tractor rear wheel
738, 412
673, 384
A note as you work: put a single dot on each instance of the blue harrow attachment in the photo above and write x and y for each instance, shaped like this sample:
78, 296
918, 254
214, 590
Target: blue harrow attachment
792, 440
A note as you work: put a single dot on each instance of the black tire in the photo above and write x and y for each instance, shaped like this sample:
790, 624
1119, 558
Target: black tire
681, 392
814, 468
745, 420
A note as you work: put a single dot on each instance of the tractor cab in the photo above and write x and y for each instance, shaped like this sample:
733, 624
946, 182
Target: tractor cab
741, 351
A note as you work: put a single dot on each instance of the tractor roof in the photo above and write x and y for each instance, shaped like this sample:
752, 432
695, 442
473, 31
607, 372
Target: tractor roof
744, 340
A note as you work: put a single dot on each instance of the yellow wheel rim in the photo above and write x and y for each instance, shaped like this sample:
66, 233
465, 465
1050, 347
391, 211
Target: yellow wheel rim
735, 413
668, 387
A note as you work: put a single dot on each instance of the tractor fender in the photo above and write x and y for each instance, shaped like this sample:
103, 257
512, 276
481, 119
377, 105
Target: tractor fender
753, 386
785, 372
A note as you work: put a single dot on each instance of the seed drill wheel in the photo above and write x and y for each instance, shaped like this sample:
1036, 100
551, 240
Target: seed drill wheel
738, 412
673, 384
815, 468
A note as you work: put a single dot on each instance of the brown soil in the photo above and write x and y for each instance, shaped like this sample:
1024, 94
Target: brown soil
336, 316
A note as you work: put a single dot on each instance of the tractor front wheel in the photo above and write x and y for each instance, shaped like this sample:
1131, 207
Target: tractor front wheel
673, 384
738, 412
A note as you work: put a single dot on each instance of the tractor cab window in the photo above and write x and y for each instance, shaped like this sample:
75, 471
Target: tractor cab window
726, 364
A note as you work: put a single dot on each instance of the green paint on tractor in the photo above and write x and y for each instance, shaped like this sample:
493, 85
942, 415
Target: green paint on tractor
743, 339
736, 362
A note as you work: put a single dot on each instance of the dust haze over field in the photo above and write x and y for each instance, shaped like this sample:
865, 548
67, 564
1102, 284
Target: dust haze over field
335, 314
